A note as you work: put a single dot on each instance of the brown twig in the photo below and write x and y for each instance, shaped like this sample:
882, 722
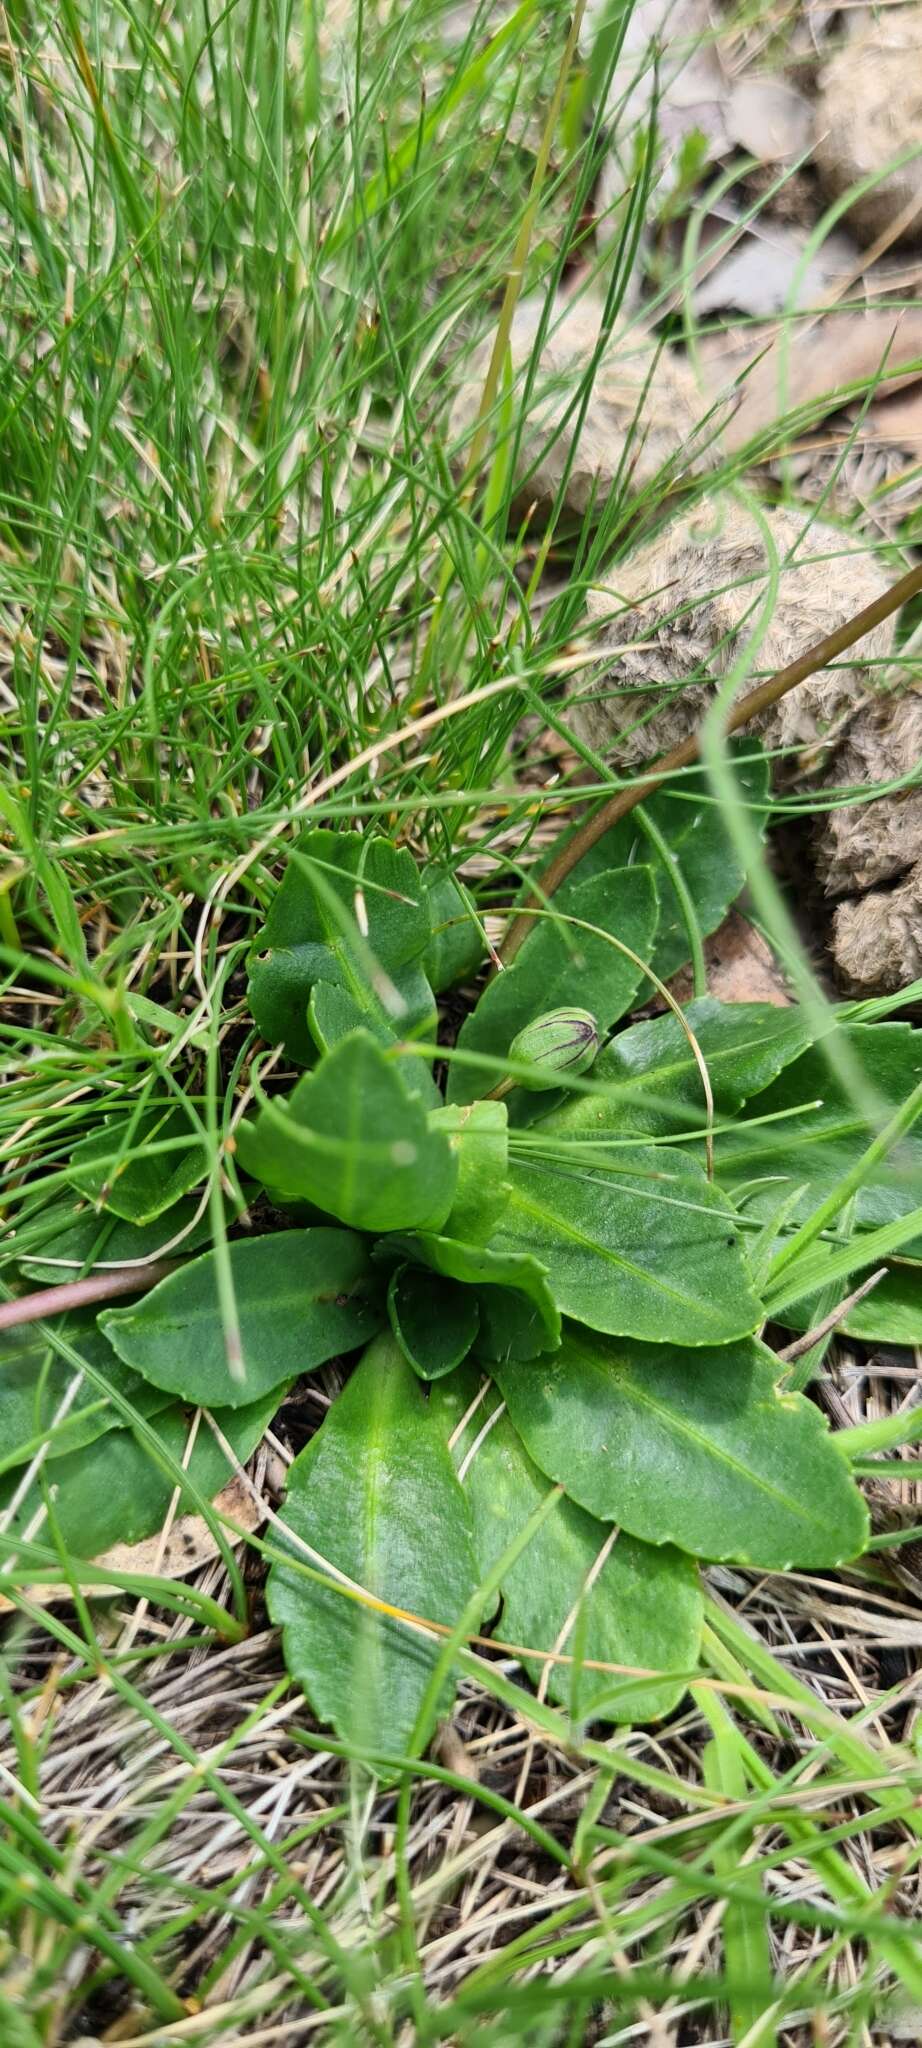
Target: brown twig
802, 1345
688, 751
54, 1301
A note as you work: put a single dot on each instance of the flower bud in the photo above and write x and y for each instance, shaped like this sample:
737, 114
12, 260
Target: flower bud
560, 1042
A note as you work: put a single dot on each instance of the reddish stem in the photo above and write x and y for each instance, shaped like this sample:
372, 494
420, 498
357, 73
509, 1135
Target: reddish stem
55, 1301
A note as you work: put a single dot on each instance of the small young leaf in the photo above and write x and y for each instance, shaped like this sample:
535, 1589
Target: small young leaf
351, 1139
478, 1135
493, 1273
35, 1380
561, 963
643, 1608
822, 1134
643, 1247
313, 933
655, 1080
688, 818
375, 1493
435, 1322
702, 1452
116, 1491
117, 1165
302, 1296
334, 1012
456, 946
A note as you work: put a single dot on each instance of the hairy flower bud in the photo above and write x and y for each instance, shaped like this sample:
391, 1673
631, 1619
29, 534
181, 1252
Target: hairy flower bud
560, 1042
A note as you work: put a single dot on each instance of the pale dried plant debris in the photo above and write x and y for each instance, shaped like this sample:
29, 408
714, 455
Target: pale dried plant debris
869, 121
767, 270
643, 410
877, 939
669, 49
768, 118
860, 845
816, 366
677, 615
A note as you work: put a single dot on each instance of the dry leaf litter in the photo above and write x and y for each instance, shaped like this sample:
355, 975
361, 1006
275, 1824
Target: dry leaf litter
869, 124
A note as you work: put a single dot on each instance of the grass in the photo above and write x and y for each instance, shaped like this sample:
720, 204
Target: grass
244, 252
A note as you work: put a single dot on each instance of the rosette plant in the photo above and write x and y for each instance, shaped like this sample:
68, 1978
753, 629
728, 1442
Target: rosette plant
555, 1397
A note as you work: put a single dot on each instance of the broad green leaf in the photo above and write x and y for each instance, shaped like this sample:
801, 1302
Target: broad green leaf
703, 1452
351, 1139
350, 910
35, 1380
456, 948
139, 1169
642, 1246
820, 1133
478, 1135
375, 1493
688, 818
643, 1608
494, 1274
560, 963
435, 1322
73, 1239
655, 1080
333, 1013
302, 1296
115, 1490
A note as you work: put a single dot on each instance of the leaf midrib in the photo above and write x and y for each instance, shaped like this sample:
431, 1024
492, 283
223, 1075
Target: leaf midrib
681, 1427
601, 1250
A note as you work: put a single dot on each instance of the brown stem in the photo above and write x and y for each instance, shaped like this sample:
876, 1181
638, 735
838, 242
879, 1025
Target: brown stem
54, 1301
802, 1345
689, 749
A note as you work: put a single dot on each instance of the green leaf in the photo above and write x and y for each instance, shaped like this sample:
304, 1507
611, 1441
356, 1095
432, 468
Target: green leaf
375, 1493
117, 1166
702, 1452
456, 948
890, 1314
688, 818
493, 1273
351, 1139
435, 1324
643, 1608
643, 1246
35, 1380
302, 1296
655, 1080
560, 963
821, 1134
479, 1138
315, 932
511, 1327
333, 1013
73, 1239
116, 1491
